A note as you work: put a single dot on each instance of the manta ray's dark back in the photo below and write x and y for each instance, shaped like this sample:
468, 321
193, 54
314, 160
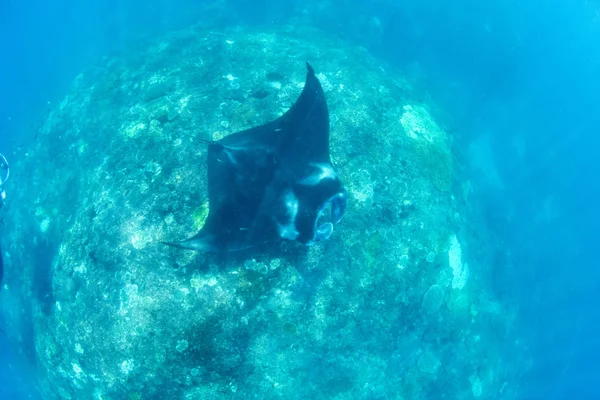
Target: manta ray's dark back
273, 181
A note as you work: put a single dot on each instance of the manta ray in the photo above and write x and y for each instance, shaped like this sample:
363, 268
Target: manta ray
274, 181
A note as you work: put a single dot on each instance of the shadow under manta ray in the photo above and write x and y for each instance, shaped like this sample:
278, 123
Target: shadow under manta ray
273, 181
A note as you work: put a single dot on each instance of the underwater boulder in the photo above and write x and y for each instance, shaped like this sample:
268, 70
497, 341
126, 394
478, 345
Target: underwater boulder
118, 315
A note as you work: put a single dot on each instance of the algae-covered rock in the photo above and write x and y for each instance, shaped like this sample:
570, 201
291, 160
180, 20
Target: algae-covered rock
120, 166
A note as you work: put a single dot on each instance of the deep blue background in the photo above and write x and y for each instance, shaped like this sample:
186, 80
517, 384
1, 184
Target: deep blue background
44, 45
521, 80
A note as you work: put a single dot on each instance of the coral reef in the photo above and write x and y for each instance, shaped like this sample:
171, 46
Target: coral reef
387, 308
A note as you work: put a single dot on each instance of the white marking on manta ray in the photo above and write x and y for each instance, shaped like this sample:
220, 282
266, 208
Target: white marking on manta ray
235, 148
230, 156
291, 203
325, 172
288, 230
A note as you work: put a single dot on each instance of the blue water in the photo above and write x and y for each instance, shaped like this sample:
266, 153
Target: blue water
521, 80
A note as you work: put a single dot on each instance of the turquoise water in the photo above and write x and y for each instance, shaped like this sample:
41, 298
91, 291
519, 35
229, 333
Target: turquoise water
493, 160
